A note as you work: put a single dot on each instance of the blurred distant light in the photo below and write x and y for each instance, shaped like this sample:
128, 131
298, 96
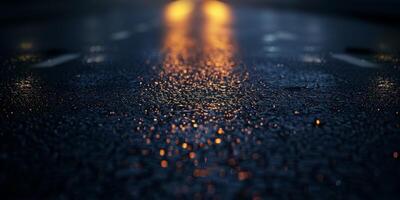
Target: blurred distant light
164, 164
26, 45
218, 11
179, 11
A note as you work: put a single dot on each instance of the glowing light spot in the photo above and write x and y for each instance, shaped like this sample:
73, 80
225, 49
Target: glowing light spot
164, 164
317, 122
178, 11
220, 131
216, 10
192, 155
162, 152
395, 155
243, 175
218, 140
184, 145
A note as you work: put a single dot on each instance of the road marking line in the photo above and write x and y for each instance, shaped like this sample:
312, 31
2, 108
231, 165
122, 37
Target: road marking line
121, 35
354, 60
139, 28
56, 61
279, 36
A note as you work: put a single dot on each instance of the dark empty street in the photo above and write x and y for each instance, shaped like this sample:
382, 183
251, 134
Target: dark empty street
199, 100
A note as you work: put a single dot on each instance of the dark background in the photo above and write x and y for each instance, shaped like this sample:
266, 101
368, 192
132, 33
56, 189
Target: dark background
75, 130
381, 11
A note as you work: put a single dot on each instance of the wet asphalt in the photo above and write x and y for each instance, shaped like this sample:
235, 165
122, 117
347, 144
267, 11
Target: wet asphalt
199, 101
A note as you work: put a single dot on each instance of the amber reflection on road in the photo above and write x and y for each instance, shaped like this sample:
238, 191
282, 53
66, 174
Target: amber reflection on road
217, 36
198, 50
209, 52
198, 95
177, 42
218, 53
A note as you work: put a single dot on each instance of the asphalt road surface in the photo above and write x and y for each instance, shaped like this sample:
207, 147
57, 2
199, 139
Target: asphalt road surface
199, 100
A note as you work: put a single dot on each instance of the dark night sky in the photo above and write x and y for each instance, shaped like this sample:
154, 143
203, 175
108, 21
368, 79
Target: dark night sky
378, 11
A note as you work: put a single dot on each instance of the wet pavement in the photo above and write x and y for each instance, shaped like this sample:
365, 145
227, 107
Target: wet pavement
200, 100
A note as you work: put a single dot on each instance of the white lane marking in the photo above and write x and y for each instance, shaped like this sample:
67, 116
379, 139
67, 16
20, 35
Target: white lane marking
121, 35
56, 61
272, 49
139, 28
279, 36
311, 59
354, 61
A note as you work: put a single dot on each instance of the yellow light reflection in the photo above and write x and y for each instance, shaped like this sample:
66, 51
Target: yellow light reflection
217, 12
218, 54
177, 41
178, 11
217, 36
199, 51
198, 89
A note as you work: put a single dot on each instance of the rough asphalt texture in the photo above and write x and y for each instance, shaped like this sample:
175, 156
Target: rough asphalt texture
247, 103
